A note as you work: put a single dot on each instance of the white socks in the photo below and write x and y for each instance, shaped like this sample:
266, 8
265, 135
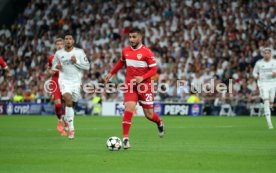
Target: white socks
70, 117
267, 113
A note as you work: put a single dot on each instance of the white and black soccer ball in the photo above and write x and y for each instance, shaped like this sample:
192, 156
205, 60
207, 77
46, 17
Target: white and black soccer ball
114, 143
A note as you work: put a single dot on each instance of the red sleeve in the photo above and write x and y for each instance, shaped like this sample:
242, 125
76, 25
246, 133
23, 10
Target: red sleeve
117, 67
150, 59
50, 63
50, 59
3, 63
119, 64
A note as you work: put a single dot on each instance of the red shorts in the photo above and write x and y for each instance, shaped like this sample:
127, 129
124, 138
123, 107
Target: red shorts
54, 88
141, 93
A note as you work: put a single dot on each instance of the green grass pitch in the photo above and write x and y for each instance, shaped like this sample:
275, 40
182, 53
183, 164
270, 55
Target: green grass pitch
31, 144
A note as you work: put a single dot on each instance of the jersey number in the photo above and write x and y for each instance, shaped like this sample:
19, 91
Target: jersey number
148, 97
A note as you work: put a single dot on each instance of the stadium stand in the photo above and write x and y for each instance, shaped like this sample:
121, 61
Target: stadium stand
197, 42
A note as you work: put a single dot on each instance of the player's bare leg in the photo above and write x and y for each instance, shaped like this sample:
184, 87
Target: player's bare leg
69, 114
152, 116
126, 124
267, 113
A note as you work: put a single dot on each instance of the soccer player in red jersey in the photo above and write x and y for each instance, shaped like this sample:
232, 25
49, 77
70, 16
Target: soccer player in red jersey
140, 67
54, 87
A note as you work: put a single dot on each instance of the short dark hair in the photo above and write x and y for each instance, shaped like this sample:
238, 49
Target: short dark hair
136, 30
68, 34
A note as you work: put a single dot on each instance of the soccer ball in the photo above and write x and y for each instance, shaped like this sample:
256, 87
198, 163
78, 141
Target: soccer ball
114, 143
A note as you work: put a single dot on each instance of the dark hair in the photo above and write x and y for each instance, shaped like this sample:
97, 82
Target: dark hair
136, 30
68, 34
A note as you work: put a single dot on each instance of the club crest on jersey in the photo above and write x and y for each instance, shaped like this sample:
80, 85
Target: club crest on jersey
139, 56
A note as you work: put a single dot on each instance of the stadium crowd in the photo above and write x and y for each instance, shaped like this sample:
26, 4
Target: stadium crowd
196, 42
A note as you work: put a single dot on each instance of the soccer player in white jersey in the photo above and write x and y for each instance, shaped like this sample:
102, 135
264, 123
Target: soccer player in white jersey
265, 72
71, 62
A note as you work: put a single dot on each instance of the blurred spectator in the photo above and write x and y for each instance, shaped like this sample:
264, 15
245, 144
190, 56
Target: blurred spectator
29, 96
5, 96
193, 98
18, 97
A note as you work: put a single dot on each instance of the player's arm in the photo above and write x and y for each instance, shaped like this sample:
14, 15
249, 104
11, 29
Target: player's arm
152, 68
81, 61
49, 67
256, 71
5, 67
56, 66
115, 69
3, 64
118, 66
274, 70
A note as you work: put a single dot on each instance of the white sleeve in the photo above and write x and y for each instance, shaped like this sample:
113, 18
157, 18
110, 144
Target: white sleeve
55, 62
256, 70
82, 61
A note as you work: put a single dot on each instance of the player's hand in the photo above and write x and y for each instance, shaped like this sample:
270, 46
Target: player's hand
73, 59
52, 72
274, 74
107, 77
138, 79
58, 66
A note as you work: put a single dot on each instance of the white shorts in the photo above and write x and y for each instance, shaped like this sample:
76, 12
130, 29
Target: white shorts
267, 93
71, 88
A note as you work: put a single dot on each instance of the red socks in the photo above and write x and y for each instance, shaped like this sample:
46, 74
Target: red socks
126, 123
155, 118
58, 109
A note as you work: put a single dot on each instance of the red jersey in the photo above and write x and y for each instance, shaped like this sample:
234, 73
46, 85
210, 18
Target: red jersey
138, 62
3, 63
50, 60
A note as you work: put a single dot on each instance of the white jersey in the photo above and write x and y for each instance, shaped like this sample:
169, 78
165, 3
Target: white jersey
71, 72
264, 70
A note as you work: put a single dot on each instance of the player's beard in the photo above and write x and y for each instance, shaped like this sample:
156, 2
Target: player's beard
134, 45
69, 46
267, 58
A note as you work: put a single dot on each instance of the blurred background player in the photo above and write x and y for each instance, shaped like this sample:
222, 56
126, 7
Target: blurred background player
4, 66
265, 72
140, 67
55, 90
71, 62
